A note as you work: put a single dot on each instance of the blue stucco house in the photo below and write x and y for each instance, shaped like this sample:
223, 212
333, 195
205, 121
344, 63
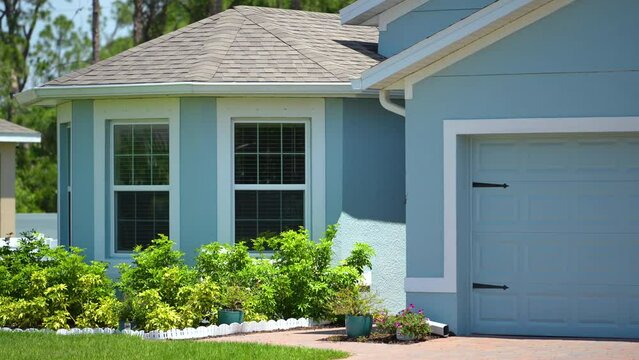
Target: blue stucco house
488, 150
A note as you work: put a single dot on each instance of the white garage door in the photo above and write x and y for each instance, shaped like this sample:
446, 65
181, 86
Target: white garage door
563, 236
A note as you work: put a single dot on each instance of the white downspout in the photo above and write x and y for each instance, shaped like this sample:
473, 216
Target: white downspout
385, 101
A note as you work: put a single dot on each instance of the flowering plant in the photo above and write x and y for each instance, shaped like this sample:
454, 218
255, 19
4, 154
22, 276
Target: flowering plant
407, 322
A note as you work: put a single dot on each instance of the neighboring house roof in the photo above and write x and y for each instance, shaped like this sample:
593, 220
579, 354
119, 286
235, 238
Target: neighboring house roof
243, 44
456, 42
10, 132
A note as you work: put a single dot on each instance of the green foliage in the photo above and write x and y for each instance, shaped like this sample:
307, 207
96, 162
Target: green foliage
162, 293
407, 322
353, 301
54, 288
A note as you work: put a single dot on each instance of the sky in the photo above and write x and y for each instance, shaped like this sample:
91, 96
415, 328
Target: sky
80, 12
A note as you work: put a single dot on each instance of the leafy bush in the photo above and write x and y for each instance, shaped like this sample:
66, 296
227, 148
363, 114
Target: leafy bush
161, 292
407, 322
352, 301
53, 288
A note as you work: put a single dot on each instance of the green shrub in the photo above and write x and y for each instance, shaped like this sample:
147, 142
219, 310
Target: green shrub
305, 282
407, 322
53, 288
161, 292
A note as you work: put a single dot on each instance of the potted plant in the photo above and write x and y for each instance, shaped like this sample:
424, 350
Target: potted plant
358, 308
407, 325
232, 299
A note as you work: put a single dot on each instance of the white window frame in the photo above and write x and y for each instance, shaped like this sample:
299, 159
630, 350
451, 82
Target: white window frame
113, 188
132, 110
278, 110
306, 187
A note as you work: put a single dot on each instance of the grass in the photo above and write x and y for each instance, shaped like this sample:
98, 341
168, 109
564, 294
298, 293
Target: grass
89, 347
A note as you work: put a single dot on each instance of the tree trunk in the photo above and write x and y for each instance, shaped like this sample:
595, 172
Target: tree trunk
137, 21
296, 4
95, 31
215, 6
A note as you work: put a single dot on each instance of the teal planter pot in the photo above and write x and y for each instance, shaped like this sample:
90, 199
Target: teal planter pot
230, 316
357, 326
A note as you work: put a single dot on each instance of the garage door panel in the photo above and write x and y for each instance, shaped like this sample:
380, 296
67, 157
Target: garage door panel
580, 157
605, 207
564, 236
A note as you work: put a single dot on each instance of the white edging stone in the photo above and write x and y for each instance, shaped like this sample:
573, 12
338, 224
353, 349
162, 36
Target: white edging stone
190, 333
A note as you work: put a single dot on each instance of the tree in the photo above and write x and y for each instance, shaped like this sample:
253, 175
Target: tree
137, 22
18, 21
95, 31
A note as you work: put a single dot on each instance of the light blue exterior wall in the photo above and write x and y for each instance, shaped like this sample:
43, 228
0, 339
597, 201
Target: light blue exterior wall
570, 64
365, 177
365, 188
82, 176
424, 21
198, 174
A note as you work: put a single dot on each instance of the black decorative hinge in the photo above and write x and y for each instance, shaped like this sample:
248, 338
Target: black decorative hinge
489, 286
489, 185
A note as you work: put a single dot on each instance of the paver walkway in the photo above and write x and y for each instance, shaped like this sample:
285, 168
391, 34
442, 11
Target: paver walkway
460, 347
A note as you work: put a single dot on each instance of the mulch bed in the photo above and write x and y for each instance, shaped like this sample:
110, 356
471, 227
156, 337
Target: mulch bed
381, 338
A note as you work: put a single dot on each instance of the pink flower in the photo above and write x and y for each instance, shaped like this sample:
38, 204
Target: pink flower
411, 306
421, 311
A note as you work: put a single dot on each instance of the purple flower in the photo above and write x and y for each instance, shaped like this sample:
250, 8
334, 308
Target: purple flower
411, 306
421, 311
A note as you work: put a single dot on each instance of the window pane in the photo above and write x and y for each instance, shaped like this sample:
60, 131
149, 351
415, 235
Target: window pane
245, 138
267, 212
270, 167
294, 170
160, 139
270, 138
293, 138
245, 169
160, 170
269, 205
142, 140
142, 170
123, 170
123, 136
293, 205
245, 204
140, 217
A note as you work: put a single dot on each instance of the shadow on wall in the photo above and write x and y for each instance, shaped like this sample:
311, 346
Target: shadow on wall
373, 162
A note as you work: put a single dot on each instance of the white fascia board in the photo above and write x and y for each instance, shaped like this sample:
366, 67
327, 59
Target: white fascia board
497, 13
49, 95
20, 138
361, 11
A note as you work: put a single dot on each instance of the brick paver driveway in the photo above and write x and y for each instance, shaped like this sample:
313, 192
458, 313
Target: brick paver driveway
475, 347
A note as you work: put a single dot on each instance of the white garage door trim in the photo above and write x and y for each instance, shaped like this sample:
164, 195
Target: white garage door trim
455, 128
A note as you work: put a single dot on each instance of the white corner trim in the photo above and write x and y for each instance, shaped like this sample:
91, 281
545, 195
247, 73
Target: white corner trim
458, 41
130, 110
274, 108
455, 128
64, 112
397, 11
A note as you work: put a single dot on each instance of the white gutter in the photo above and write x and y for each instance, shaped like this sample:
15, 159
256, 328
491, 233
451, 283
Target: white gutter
385, 101
49, 95
20, 138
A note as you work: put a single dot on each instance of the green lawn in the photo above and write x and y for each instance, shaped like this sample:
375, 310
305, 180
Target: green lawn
52, 347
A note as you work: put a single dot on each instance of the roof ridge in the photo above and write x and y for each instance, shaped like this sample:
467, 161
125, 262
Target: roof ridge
214, 49
312, 57
131, 51
276, 9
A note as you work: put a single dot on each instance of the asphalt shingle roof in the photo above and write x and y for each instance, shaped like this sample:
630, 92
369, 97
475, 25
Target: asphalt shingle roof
9, 128
243, 44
